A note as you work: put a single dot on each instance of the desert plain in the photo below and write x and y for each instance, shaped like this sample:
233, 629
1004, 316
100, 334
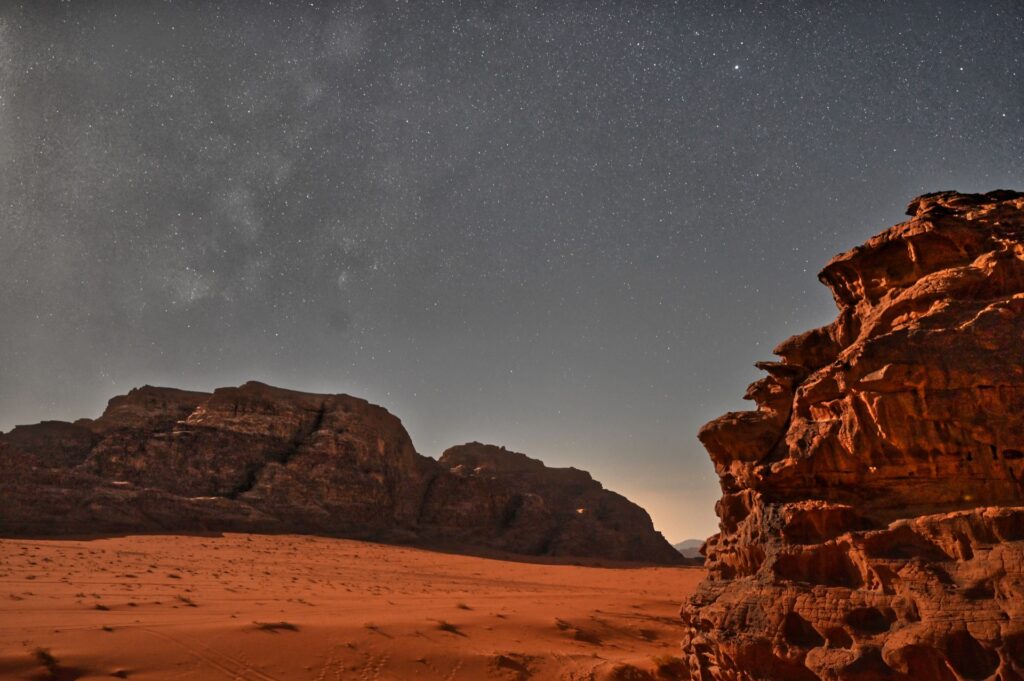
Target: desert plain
290, 607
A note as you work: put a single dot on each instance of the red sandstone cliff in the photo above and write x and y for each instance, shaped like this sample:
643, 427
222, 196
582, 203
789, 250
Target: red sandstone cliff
872, 516
263, 459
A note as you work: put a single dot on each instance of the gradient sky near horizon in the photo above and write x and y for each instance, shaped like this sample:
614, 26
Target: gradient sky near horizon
569, 228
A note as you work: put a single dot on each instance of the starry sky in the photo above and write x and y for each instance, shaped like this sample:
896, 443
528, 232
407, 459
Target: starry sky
565, 227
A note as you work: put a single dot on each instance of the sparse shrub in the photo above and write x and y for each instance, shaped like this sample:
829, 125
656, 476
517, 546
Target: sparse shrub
443, 625
274, 627
45, 658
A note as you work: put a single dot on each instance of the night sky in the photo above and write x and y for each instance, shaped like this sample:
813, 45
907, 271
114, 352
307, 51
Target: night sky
567, 228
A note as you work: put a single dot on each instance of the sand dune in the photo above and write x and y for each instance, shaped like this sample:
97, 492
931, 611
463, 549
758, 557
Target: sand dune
276, 608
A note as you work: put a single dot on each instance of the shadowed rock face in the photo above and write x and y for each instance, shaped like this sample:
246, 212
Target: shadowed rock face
872, 516
262, 459
530, 508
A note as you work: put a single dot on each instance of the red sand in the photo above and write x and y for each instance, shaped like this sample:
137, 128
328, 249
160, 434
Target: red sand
276, 608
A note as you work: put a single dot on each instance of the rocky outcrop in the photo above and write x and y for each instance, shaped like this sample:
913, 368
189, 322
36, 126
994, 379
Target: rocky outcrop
872, 510
262, 459
525, 507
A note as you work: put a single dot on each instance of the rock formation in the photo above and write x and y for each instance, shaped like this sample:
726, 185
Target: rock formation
521, 505
262, 459
872, 515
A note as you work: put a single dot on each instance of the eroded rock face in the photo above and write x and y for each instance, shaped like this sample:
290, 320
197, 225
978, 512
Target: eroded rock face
526, 507
262, 459
872, 516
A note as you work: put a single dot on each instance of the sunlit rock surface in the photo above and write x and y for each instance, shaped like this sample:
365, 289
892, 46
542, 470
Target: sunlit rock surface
872, 516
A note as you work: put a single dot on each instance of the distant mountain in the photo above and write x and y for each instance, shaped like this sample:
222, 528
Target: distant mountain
689, 548
261, 459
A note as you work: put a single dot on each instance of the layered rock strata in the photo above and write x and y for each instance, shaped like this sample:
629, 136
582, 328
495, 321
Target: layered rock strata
872, 510
261, 459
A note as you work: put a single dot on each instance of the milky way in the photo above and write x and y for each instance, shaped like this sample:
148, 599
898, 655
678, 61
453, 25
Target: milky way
568, 228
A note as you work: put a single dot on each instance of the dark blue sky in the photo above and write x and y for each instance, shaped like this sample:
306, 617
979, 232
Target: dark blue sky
568, 228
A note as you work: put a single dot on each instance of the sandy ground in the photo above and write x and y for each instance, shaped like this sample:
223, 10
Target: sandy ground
276, 608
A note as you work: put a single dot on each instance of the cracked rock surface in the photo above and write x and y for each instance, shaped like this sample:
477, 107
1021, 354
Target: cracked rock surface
872, 510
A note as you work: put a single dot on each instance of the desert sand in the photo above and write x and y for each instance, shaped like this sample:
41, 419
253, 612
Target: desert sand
277, 608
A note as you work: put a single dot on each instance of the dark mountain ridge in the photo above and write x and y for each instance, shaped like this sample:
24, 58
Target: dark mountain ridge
257, 458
